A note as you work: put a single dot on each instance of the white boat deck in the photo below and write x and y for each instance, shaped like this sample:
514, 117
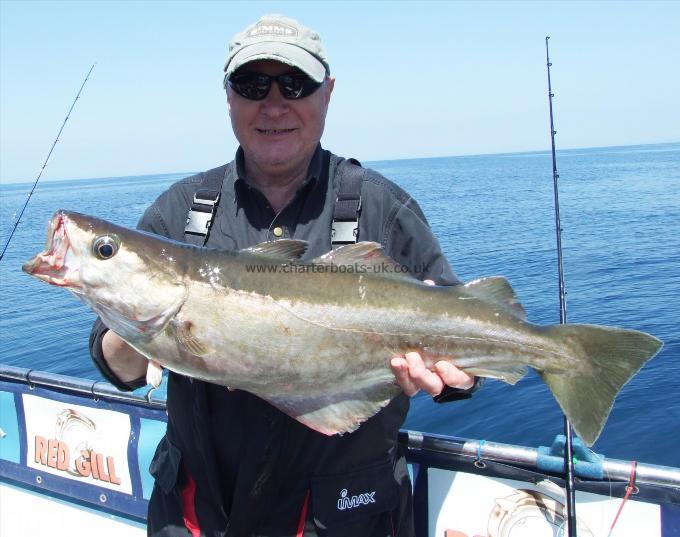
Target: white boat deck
27, 514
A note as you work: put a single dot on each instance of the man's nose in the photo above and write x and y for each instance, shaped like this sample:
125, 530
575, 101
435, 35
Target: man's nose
274, 104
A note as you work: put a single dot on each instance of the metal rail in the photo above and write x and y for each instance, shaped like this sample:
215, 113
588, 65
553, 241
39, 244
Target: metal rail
613, 469
147, 397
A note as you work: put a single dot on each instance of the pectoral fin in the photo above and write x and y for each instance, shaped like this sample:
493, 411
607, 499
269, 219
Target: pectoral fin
185, 335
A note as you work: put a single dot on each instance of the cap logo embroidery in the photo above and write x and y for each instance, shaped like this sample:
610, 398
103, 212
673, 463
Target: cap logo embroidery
276, 30
352, 502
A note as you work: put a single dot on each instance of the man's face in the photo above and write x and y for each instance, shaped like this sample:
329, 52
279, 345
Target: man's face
278, 135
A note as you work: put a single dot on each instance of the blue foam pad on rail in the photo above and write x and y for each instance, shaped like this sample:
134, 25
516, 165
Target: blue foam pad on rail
587, 463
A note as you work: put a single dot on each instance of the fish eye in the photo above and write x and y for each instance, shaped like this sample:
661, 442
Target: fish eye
105, 247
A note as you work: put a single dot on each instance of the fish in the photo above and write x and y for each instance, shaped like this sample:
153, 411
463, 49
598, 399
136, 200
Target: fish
315, 338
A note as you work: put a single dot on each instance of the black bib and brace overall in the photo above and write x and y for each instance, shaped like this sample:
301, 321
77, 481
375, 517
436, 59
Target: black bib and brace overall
230, 463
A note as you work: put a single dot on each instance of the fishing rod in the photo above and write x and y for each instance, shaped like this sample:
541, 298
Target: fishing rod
35, 184
568, 447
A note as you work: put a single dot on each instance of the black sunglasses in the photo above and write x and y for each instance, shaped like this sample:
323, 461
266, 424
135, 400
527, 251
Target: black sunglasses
256, 86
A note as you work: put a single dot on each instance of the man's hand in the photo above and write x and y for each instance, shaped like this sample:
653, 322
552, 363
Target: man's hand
412, 375
124, 361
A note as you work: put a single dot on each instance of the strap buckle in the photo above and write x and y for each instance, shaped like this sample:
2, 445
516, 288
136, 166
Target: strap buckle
344, 232
200, 216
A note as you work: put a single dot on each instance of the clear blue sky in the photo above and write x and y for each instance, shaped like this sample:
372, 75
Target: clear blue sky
414, 79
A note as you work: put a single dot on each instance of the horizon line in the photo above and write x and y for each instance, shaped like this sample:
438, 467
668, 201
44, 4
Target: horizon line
529, 151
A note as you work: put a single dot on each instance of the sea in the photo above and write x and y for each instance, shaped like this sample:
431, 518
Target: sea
493, 215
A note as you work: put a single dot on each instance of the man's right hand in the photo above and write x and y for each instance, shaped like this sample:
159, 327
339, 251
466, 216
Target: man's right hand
125, 362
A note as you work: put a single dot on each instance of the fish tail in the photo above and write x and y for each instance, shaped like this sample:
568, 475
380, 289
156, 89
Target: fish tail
605, 359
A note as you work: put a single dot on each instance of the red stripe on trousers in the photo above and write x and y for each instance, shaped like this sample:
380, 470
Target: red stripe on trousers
303, 517
189, 506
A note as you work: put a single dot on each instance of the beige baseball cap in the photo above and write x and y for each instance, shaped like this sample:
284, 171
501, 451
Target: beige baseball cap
282, 39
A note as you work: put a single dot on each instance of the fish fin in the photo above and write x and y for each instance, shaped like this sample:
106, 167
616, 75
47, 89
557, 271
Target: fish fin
185, 336
511, 375
282, 249
606, 358
154, 373
340, 413
497, 290
366, 254
495, 367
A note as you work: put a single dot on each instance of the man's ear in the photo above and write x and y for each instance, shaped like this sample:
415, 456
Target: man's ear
330, 84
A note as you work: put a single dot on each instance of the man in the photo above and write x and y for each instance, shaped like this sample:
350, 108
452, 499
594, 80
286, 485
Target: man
231, 464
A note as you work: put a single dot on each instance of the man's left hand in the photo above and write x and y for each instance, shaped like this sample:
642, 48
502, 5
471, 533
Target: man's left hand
412, 375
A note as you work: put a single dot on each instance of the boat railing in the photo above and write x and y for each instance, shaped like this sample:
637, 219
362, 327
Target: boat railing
544, 459
540, 458
147, 396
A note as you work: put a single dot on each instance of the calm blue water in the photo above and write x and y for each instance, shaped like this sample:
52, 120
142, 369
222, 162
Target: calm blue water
493, 215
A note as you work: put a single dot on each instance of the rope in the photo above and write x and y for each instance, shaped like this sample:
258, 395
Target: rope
630, 488
478, 461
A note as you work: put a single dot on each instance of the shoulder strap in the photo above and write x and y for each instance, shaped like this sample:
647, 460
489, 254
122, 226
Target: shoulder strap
203, 208
345, 225
346, 211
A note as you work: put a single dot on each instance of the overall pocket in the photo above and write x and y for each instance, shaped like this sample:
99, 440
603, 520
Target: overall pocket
358, 503
167, 513
165, 465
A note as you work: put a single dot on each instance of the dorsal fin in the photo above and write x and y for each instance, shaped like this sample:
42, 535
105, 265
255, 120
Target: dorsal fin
497, 290
281, 249
366, 256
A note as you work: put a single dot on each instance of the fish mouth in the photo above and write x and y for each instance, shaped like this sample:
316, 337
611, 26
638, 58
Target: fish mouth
56, 264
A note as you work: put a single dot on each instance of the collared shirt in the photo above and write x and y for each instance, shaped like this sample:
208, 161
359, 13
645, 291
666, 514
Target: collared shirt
253, 216
244, 217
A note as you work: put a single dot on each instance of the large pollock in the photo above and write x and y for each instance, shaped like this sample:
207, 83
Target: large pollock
315, 338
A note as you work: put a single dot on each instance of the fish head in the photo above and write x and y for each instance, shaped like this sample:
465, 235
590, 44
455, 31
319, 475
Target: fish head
131, 279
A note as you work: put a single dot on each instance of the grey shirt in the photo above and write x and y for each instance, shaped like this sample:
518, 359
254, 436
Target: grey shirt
245, 218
